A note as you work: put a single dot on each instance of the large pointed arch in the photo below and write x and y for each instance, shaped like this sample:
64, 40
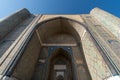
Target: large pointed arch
47, 29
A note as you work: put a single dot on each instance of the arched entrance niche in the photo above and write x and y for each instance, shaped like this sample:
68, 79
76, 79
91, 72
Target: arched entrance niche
60, 65
62, 32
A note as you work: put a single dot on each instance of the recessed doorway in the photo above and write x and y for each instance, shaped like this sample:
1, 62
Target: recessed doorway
60, 66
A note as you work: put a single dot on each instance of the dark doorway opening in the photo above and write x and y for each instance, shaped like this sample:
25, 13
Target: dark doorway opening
60, 65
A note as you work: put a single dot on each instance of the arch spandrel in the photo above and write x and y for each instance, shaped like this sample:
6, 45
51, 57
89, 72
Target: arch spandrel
74, 17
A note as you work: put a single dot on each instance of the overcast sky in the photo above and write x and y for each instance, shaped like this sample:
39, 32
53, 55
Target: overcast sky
8, 7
